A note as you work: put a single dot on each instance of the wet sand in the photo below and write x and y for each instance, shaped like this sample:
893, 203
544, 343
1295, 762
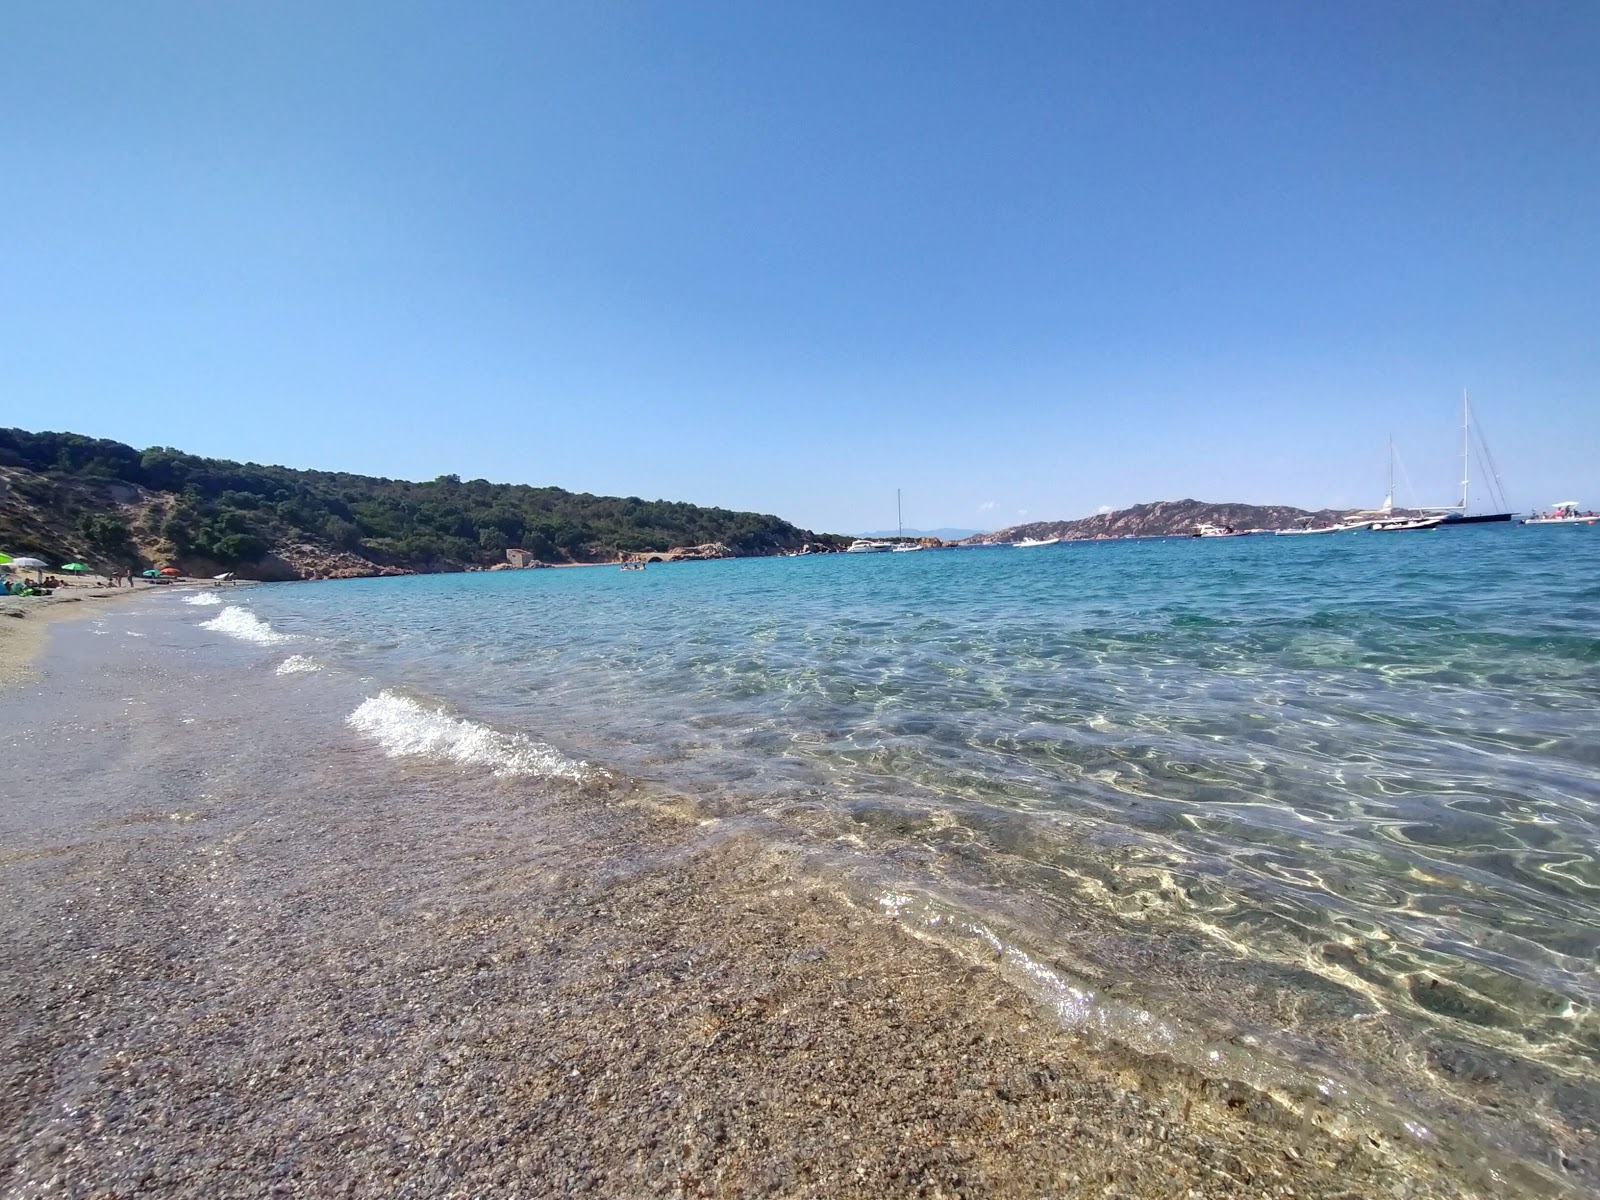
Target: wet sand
245, 955
23, 620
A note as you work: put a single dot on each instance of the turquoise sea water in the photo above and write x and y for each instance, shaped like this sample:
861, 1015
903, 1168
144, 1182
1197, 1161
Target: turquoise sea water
1324, 809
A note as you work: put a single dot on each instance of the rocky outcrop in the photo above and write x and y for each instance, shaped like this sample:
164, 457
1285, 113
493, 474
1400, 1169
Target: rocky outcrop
306, 560
702, 552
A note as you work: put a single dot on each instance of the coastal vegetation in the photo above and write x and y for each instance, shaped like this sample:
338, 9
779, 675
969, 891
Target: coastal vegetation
71, 495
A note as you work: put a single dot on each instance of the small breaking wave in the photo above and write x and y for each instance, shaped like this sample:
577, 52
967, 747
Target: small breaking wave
244, 625
298, 664
203, 598
404, 727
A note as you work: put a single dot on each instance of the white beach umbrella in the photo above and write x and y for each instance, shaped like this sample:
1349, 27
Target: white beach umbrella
29, 564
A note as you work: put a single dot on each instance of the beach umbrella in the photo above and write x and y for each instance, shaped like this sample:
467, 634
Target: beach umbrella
4, 558
171, 571
30, 564
74, 567
225, 576
151, 573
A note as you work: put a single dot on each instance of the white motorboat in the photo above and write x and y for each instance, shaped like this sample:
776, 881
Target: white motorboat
1566, 513
1407, 525
1319, 529
868, 546
1030, 543
909, 548
1206, 529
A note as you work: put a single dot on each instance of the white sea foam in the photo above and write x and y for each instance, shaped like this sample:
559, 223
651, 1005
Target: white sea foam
298, 664
245, 625
404, 727
203, 598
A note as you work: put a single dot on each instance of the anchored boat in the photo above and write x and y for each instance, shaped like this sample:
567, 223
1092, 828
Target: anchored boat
1462, 514
1566, 513
1408, 525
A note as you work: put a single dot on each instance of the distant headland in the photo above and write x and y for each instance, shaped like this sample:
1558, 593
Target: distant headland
64, 496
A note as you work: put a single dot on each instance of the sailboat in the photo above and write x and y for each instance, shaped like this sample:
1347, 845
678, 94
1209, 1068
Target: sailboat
902, 546
1461, 514
1382, 518
1370, 519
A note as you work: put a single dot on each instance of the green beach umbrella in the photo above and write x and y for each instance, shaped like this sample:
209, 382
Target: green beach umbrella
152, 573
4, 557
73, 567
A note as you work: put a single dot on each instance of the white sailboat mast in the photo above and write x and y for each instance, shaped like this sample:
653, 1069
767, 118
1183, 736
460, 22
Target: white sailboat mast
1466, 447
899, 520
1388, 498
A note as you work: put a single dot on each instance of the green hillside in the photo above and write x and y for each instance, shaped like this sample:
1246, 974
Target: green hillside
115, 505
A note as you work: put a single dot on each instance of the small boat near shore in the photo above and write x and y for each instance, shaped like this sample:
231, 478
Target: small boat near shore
1565, 513
868, 546
1031, 543
1208, 530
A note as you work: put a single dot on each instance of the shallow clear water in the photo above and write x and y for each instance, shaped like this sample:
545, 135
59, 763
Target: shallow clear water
1330, 804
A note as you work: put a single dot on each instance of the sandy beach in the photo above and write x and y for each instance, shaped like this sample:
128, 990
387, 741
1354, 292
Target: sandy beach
245, 957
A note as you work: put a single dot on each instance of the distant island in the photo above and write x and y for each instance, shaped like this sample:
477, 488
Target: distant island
65, 496
1169, 518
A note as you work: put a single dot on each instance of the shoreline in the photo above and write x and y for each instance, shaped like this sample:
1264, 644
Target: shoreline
25, 622
494, 987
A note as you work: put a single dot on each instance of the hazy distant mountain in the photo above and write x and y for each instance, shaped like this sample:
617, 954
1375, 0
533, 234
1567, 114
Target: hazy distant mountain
946, 535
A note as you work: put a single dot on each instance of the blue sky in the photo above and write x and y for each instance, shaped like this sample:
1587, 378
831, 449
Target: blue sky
1019, 260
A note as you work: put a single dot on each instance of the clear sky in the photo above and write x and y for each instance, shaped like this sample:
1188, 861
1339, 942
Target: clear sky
1020, 260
